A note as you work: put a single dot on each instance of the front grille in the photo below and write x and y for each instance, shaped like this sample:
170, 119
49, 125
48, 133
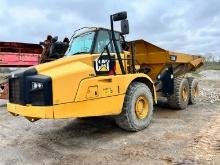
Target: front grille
38, 97
14, 90
20, 89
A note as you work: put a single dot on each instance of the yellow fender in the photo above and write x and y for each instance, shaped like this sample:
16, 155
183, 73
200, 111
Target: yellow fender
140, 77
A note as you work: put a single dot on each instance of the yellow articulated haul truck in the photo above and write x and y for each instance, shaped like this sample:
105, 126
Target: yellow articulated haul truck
101, 74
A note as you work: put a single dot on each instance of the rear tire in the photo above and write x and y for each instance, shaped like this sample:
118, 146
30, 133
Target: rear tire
137, 109
193, 90
180, 97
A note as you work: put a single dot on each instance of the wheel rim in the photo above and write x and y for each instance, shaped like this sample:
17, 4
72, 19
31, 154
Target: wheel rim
141, 107
196, 91
184, 94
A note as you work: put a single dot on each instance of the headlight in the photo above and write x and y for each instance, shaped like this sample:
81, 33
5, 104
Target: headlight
39, 90
36, 85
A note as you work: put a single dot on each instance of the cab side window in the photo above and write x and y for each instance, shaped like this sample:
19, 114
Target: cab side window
103, 39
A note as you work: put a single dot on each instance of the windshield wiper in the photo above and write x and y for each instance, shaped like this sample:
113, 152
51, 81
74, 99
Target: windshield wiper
80, 52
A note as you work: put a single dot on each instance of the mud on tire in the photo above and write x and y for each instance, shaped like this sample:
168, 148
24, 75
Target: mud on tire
131, 118
180, 97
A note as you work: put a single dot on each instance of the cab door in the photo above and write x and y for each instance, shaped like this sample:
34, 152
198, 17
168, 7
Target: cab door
104, 58
105, 84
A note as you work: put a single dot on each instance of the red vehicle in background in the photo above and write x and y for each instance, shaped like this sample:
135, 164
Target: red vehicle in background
14, 54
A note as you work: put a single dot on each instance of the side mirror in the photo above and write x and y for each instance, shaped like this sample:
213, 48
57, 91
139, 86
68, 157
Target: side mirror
124, 27
119, 16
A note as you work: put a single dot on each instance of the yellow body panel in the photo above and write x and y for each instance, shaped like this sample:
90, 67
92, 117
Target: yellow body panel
31, 111
107, 86
96, 107
156, 58
99, 87
66, 74
109, 101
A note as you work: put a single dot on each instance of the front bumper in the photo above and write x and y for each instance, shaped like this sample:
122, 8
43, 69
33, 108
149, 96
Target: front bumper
96, 107
31, 111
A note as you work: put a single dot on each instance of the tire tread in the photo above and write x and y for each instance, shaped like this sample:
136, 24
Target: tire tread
123, 119
174, 100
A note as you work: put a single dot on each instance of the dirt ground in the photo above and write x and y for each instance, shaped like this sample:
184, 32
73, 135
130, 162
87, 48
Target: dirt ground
190, 136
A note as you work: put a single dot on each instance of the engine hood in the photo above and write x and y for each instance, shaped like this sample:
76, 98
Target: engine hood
66, 74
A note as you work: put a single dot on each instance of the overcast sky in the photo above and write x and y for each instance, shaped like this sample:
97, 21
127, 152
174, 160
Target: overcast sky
191, 26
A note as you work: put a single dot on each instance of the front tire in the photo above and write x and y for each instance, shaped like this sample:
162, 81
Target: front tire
137, 109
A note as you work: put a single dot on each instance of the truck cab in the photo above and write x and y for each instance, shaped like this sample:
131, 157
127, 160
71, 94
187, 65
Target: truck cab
96, 42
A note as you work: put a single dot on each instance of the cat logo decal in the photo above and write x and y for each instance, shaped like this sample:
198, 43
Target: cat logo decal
103, 64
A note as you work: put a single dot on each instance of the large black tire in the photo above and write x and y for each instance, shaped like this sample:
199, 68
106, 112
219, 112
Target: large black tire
177, 100
193, 90
137, 93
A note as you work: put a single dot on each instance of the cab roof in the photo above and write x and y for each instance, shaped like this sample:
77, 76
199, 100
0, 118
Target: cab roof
90, 29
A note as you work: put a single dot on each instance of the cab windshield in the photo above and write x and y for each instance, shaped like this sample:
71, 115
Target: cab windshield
81, 44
